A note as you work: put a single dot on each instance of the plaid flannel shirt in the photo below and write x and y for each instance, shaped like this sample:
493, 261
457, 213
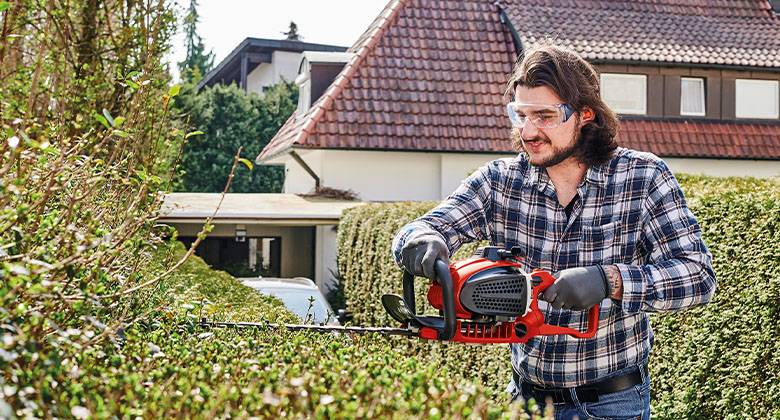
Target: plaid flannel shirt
631, 213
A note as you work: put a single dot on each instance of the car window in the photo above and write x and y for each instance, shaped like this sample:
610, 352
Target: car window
297, 301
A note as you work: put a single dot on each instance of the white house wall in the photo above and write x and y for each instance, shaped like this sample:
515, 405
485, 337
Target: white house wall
262, 75
283, 65
725, 167
413, 176
297, 243
296, 179
383, 176
325, 256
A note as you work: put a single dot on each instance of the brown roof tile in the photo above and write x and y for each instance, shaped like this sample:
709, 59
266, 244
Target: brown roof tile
702, 138
429, 75
451, 83
730, 32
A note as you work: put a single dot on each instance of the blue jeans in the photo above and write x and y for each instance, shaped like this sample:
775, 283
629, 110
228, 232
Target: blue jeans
631, 403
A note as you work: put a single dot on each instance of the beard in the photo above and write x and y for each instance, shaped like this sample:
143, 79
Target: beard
558, 154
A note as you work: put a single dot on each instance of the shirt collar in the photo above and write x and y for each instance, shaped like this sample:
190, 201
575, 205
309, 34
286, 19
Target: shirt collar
596, 175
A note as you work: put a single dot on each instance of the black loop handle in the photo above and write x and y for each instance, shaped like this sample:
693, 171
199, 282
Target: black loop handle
448, 297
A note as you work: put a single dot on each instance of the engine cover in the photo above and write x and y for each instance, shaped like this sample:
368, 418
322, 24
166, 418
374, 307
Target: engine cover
498, 291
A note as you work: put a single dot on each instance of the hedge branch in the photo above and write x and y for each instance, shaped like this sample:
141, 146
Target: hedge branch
201, 235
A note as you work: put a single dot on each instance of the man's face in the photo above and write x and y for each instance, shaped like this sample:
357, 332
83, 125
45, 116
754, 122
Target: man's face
545, 146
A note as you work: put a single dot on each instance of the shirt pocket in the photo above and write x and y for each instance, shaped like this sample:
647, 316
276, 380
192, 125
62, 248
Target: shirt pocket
601, 244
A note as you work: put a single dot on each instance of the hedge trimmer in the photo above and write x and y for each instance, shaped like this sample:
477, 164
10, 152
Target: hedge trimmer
486, 299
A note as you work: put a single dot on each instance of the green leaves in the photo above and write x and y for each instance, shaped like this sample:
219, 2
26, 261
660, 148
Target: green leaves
247, 163
174, 90
102, 120
193, 133
232, 119
108, 117
110, 122
4, 5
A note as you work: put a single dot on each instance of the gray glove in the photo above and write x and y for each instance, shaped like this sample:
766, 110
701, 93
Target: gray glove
419, 255
577, 288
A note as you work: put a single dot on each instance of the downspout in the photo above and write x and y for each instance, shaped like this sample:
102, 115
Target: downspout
308, 169
504, 18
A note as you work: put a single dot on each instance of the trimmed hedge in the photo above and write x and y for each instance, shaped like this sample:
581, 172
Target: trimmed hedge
167, 367
368, 271
717, 361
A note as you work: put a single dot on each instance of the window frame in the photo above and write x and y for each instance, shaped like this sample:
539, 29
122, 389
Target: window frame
634, 76
775, 83
703, 97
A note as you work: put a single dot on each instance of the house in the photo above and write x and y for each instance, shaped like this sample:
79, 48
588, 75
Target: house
420, 104
255, 64
417, 103
274, 235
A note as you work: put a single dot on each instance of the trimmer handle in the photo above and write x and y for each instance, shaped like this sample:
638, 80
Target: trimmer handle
448, 296
534, 320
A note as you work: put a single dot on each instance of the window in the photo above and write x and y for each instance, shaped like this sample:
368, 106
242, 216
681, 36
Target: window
304, 93
625, 93
304, 90
247, 258
757, 98
692, 96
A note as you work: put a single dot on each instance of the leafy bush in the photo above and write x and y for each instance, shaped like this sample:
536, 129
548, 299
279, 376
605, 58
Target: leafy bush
231, 118
369, 271
723, 360
86, 146
717, 361
167, 366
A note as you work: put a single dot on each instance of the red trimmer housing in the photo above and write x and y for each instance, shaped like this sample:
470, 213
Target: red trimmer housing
486, 298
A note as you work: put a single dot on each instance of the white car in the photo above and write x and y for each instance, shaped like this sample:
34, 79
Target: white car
301, 296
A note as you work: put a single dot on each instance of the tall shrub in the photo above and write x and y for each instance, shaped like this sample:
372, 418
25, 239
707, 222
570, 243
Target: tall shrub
721, 360
231, 118
86, 146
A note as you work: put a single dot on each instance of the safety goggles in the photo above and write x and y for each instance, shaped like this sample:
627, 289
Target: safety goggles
541, 116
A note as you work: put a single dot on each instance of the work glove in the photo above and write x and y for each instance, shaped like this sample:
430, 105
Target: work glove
419, 255
577, 288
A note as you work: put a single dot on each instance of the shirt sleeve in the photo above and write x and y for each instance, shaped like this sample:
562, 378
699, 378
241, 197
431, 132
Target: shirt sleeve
678, 273
464, 216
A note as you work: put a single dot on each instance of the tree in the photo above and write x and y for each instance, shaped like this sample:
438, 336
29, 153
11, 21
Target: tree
292, 33
198, 62
230, 118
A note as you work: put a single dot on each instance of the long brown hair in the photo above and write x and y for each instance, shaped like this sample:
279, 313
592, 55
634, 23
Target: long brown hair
576, 82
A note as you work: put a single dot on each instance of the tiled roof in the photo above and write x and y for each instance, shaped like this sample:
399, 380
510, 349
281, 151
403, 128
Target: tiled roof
702, 139
727, 32
429, 75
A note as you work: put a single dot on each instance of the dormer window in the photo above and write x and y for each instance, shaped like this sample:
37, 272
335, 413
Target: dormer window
625, 93
757, 98
304, 92
692, 96
316, 73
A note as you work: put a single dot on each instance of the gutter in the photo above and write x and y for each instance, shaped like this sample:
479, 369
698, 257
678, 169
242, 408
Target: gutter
504, 18
308, 169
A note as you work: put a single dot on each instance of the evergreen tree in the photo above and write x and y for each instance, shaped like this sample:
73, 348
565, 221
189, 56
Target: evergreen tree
292, 33
229, 118
198, 62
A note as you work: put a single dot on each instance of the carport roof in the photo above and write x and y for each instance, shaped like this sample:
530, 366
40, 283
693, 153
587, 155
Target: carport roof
253, 208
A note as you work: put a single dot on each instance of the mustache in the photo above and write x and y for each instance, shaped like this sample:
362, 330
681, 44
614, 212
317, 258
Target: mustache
517, 139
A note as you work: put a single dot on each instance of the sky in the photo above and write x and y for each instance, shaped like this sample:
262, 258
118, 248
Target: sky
225, 23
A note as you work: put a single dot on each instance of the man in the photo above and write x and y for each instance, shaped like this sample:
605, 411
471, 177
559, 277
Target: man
610, 223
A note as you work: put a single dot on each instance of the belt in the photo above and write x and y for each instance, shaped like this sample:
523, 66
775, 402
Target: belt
585, 393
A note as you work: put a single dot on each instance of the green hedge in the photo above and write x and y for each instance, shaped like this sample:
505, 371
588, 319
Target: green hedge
368, 271
717, 361
165, 366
